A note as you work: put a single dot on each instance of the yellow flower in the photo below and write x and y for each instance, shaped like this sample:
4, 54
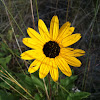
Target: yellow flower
50, 49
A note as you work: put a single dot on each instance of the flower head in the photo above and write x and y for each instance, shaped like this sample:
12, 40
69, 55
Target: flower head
50, 49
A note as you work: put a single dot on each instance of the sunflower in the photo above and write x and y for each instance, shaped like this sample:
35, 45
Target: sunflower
50, 49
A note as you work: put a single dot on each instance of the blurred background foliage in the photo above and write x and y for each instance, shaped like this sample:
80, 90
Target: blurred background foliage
16, 17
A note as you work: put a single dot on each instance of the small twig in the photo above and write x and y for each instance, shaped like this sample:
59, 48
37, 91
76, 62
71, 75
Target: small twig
46, 89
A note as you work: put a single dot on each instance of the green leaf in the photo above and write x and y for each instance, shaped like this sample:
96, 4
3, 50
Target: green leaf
4, 95
78, 95
2, 54
9, 35
37, 97
4, 85
24, 78
37, 82
3, 47
25, 81
68, 82
4, 61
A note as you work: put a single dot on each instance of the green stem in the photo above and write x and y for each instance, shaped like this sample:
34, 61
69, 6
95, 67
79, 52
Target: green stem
37, 9
63, 88
50, 91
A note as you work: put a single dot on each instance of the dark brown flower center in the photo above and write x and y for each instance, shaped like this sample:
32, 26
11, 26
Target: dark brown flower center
51, 49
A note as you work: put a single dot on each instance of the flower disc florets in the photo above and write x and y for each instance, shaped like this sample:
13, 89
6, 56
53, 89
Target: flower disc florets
51, 49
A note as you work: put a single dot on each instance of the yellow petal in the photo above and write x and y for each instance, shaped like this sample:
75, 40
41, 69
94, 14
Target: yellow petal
54, 27
70, 48
34, 66
31, 54
72, 52
64, 27
34, 44
54, 70
70, 40
43, 31
63, 66
78, 52
34, 35
65, 51
64, 31
44, 68
72, 61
